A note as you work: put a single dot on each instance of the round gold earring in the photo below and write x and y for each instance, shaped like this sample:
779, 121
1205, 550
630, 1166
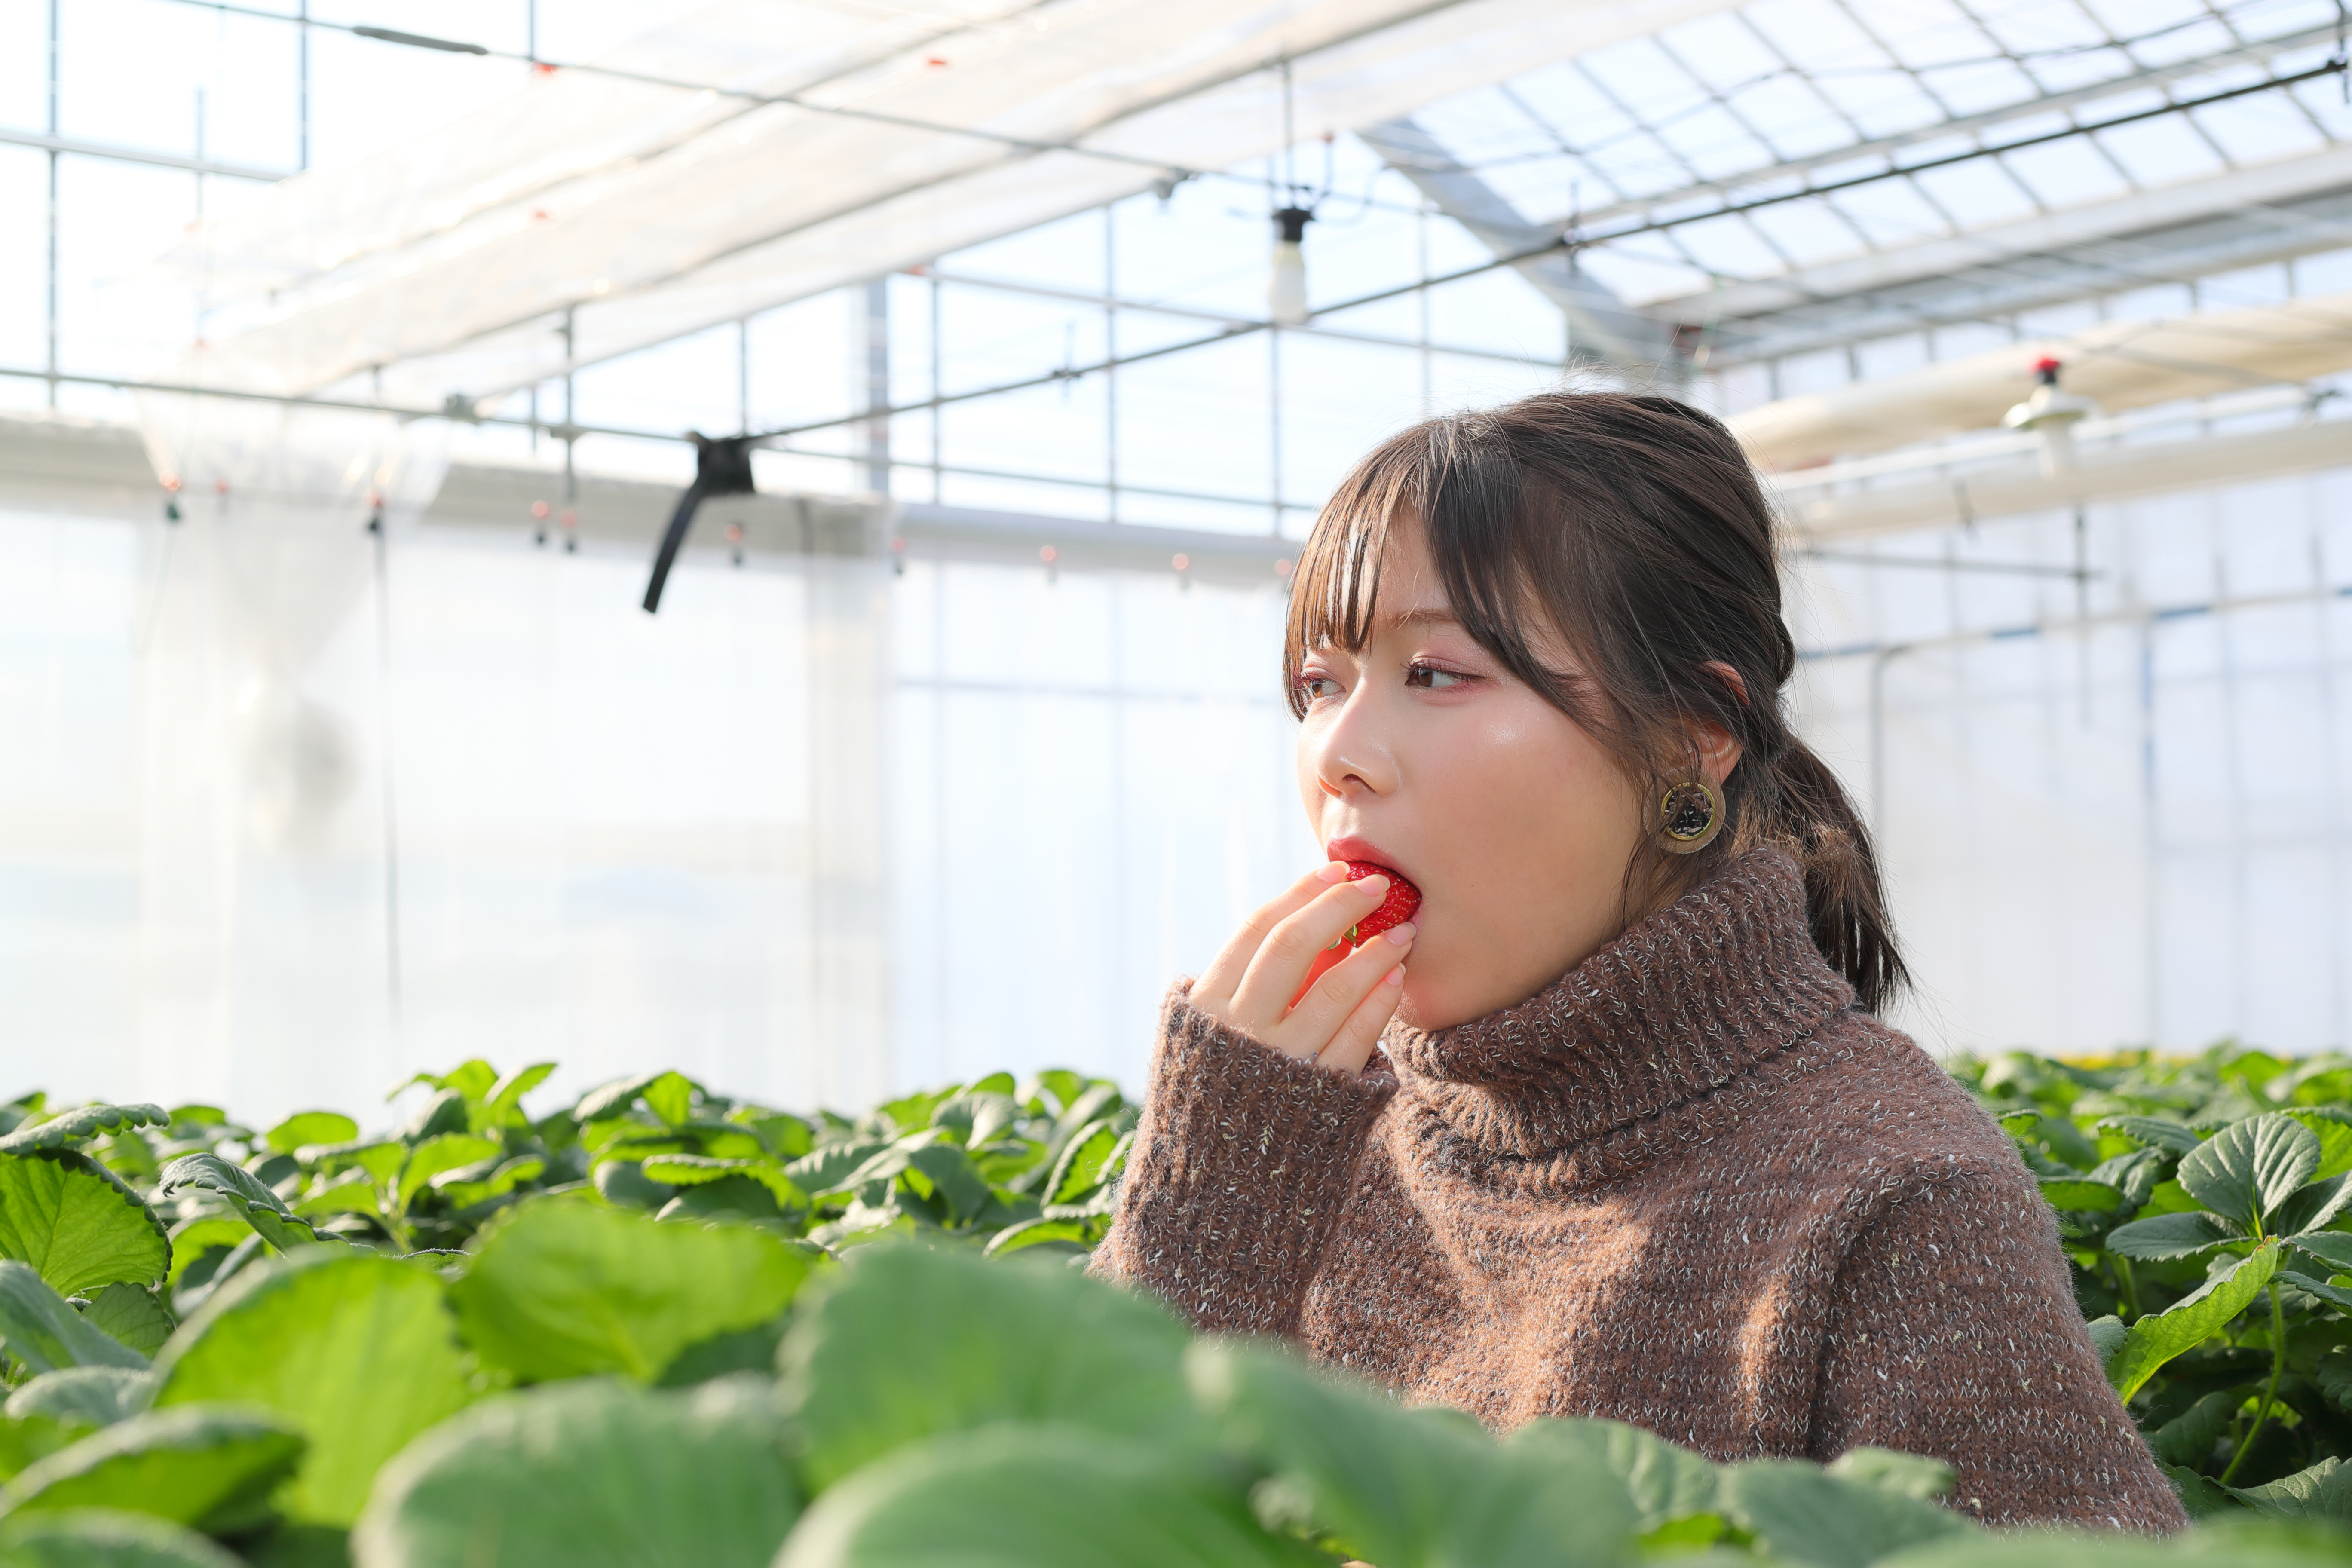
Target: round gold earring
1690, 814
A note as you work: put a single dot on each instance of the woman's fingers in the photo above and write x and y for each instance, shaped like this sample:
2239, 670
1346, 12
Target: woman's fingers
1290, 948
1351, 1047
1215, 987
1320, 1022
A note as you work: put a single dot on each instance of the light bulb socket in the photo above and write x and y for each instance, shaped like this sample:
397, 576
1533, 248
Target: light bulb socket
1291, 223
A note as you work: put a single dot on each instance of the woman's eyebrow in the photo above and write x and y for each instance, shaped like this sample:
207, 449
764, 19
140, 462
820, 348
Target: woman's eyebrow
1437, 616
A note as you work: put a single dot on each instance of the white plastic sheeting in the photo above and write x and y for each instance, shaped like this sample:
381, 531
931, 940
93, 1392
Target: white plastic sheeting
2111, 814
814, 832
446, 266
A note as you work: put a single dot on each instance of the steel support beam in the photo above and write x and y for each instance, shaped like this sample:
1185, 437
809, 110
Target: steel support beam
2240, 218
1602, 327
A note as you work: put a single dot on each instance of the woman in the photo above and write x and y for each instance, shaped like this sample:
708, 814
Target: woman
1609, 1129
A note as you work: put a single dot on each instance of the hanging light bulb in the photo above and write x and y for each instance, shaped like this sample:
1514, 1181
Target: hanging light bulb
1286, 288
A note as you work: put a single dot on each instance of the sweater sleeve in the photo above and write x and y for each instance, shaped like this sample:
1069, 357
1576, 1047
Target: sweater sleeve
1953, 1333
1241, 1163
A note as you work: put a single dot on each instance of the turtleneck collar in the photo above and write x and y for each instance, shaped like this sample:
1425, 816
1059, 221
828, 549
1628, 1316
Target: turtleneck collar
1680, 1003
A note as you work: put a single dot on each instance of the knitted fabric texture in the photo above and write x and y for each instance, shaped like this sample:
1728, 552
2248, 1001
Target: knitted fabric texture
1688, 1186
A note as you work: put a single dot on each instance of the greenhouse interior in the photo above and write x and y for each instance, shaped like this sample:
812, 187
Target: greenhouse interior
352, 373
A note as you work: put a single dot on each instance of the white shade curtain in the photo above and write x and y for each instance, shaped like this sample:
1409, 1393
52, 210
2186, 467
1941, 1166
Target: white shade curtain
816, 832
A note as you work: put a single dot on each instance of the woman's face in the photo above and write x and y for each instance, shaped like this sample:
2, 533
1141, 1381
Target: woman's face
1423, 755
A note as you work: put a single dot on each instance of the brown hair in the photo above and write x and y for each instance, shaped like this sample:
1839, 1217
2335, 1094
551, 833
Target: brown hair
1635, 527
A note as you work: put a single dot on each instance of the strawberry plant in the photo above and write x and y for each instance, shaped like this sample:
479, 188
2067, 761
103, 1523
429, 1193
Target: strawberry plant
2204, 1205
663, 1326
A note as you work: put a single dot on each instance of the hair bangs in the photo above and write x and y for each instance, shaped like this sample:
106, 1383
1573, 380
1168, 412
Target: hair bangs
1336, 591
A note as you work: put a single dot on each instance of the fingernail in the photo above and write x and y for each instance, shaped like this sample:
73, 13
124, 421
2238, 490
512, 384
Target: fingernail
1336, 871
1402, 935
1376, 886
1396, 976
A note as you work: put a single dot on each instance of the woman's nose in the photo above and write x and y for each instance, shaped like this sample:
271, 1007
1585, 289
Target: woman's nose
1350, 757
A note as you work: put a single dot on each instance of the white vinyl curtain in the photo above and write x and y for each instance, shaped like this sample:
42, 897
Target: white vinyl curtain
815, 833
2106, 825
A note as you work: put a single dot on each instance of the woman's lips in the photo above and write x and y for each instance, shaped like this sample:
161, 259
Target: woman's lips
1352, 848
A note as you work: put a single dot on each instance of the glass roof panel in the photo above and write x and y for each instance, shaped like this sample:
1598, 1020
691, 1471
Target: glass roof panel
2069, 173
1711, 131
1892, 213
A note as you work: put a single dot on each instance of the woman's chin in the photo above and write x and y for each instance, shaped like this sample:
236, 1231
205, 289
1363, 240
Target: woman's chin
1428, 1007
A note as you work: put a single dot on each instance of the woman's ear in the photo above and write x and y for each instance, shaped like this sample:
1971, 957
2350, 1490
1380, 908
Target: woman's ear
1717, 749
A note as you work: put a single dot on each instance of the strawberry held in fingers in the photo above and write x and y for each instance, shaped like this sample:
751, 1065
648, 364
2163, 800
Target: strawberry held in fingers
1395, 910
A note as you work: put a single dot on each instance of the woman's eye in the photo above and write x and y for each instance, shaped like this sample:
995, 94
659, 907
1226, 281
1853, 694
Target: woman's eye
1314, 688
1429, 677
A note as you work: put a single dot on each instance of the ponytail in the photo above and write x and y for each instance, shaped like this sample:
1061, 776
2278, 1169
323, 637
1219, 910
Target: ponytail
1845, 901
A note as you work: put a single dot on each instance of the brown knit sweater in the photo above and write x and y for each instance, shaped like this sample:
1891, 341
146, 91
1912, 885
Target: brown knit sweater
1688, 1186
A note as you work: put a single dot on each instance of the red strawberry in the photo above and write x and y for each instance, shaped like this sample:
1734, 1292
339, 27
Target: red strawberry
1395, 910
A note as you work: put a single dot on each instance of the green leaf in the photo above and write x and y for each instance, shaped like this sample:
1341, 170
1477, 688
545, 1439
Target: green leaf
2170, 1197
73, 1219
589, 1473
1033, 1232
380, 1158
132, 1315
192, 1238
210, 1467
2323, 1491
311, 1127
81, 1123
2081, 1197
355, 1351
2314, 1207
93, 1395
737, 1350
2157, 1338
2251, 1167
1664, 1481
2332, 1247
562, 1287
670, 1096
105, 1538
1399, 1485
30, 1438
2334, 1377
261, 1208
693, 1170
822, 1169
451, 1111
2169, 1236
2335, 1296
1063, 1085
612, 1099
1800, 1512
954, 1177
2152, 1131
2188, 1438
433, 1156
1081, 1165
623, 1182
1026, 1497
2107, 1336
905, 1344
503, 1106
2335, 1134
45, 1333
2155, 1133
1906, 1475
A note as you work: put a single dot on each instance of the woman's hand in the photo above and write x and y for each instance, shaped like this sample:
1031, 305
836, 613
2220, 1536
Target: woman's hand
1339, 1019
